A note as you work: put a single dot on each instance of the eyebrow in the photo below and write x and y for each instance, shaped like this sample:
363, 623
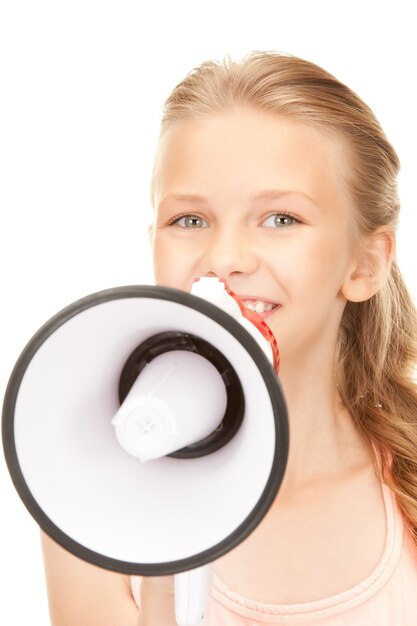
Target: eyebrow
191, 198
267, 194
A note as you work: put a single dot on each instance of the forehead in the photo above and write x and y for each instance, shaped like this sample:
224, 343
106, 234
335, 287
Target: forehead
240, 153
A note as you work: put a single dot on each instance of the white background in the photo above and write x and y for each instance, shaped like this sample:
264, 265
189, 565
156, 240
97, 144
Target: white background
82, 85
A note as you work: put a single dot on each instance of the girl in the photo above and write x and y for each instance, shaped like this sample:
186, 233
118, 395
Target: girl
274, 175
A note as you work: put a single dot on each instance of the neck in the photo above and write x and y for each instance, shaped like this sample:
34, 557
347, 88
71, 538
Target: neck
323, 438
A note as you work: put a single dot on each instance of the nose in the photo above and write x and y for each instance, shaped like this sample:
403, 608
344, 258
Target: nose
227, 254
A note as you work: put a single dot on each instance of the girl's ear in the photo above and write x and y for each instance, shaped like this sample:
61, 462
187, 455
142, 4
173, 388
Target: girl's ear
372, 267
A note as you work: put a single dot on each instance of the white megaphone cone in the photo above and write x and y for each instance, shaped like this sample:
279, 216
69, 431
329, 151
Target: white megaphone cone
131, 421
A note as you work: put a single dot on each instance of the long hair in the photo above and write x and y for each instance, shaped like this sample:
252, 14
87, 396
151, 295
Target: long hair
377, 344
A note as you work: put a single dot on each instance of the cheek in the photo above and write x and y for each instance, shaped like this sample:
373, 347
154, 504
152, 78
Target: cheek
170, 264
312, 265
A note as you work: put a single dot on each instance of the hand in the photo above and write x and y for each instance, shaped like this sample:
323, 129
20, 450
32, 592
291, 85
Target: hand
157, 601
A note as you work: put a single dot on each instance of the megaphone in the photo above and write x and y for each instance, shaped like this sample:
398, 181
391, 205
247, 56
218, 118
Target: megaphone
146, 432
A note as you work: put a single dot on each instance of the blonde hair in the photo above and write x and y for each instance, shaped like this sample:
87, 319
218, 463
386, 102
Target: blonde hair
377, 347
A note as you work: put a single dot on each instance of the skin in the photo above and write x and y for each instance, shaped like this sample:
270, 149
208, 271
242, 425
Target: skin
311, 264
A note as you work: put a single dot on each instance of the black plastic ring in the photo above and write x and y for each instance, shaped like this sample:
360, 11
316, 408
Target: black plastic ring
176, 340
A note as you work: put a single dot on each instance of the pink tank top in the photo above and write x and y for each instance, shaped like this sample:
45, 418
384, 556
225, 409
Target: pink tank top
388, 597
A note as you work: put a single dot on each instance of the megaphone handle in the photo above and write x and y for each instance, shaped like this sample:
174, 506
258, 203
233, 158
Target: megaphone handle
192, 590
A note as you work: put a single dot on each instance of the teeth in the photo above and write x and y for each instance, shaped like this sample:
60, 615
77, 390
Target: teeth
258, 306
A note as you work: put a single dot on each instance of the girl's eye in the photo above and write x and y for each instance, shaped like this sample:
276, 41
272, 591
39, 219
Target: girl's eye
190, 221
282, 220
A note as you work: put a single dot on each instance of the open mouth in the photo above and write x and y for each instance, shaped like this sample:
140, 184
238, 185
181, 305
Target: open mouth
259, 307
